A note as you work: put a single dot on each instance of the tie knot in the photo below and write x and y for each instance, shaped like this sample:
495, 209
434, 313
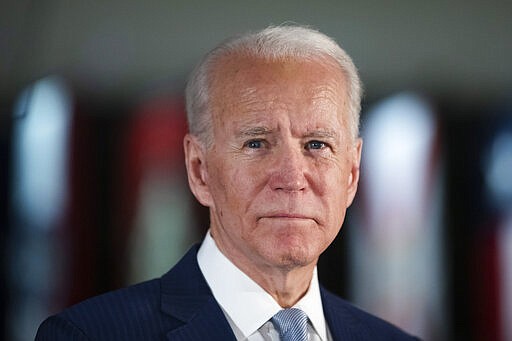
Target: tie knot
291, 324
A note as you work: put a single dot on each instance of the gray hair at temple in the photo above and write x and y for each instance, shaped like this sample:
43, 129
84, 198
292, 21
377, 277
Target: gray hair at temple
273, 43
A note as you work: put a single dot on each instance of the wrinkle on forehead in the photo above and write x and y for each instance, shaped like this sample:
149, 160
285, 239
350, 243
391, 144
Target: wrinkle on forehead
253, 87
326, 92
250, 99
238, 71
253, 99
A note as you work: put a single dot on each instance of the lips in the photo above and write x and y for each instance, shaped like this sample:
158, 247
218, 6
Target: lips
288, 216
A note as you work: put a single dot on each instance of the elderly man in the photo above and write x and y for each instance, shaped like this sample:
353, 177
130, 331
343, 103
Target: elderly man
273, 151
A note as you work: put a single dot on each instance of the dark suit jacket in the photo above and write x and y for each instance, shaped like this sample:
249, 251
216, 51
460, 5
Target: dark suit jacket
180, 306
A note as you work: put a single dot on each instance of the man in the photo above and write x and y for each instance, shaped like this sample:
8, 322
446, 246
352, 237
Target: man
273, 151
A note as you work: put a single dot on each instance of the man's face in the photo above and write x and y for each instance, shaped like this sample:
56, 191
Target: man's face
283, 167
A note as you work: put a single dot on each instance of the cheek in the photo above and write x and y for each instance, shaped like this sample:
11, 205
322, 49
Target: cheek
245, 185
218, 185
329, 174
232, 184
334, 187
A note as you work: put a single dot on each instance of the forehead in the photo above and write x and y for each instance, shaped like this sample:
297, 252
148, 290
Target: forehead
242, 85
237, 70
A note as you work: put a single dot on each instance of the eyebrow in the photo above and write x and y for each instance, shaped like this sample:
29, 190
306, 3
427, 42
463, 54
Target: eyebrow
326, 134
254, 131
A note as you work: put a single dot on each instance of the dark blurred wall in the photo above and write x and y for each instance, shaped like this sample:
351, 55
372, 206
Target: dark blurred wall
460, 49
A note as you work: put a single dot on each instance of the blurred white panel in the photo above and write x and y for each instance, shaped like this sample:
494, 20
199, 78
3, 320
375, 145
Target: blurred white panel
40, 152
498, 178
397, 247
498, 169
40, 194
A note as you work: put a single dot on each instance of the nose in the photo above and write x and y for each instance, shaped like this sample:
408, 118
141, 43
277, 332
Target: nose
288, 170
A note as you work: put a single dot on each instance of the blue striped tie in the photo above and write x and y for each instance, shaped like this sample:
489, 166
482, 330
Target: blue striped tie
292, 324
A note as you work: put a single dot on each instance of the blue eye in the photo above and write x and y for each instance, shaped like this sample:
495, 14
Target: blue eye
315, 145
254, 144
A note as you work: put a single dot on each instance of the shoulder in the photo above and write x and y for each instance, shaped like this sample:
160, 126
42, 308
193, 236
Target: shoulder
347, 320
125, 303
136, 312
107, 316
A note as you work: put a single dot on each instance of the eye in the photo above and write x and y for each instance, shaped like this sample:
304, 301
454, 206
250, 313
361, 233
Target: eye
315, 145
254, 144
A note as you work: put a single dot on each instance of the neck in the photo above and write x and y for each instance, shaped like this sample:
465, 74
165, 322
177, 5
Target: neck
286, 284
286, 287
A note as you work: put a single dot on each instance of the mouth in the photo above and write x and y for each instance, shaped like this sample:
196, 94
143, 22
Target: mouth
288, 217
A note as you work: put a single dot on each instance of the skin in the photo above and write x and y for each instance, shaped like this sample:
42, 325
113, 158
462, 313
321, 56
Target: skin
282, 170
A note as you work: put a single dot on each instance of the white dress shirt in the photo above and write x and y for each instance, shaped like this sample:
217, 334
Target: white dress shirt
248, 307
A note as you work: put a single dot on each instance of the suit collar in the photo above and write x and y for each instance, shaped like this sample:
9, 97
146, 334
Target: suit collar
206, 323
347, 322
343, 323
187, 298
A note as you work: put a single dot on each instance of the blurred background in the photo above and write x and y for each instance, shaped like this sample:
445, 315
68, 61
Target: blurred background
93, 192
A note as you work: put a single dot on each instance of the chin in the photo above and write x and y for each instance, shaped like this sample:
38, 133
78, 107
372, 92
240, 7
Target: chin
294, 257
291, 250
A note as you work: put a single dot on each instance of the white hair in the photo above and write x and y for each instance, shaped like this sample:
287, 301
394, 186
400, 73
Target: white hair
273, 43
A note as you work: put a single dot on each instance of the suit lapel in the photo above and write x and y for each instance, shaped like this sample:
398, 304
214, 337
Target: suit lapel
207, 323
187, 298
342, 324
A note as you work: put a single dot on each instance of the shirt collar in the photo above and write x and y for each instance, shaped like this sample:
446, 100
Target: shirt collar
230, 286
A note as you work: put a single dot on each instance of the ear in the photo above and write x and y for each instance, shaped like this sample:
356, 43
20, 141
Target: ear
353, 179
195, 161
